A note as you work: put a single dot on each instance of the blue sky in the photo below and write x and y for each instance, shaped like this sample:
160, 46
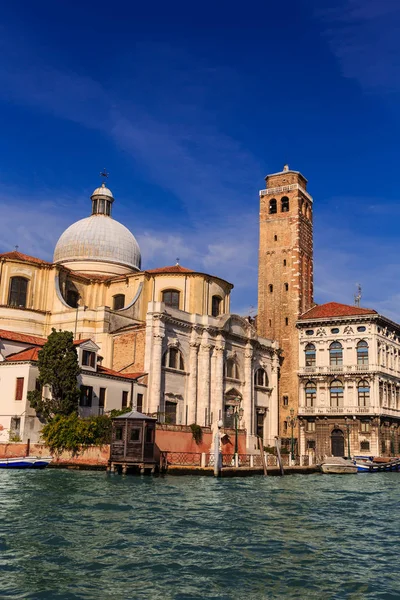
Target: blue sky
189, 106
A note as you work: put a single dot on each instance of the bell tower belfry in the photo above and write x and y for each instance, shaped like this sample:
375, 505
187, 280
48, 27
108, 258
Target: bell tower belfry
285, 273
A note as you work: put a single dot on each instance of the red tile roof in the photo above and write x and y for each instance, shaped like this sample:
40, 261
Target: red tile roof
24, 257
22, 337
334, 309
172, 269
25, 355
107, 371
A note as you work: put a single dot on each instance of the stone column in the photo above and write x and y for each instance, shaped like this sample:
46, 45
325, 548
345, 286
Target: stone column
203, 397
192, 386
248, 390
217, 387
156, 370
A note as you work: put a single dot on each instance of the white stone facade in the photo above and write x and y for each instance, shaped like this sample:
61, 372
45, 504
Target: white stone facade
349, 381
213, 366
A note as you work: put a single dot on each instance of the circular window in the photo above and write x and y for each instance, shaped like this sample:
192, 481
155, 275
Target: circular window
362, 328
335, 330
310, 332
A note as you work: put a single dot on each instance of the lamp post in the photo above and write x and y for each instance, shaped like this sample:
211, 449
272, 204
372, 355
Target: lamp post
292, 420
393, 429
236, 411
348, 425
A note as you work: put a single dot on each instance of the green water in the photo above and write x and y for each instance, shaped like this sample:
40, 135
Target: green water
85, 535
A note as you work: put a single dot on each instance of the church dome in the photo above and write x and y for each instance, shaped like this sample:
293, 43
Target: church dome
98, 244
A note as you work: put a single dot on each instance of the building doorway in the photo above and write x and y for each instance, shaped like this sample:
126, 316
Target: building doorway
337, 442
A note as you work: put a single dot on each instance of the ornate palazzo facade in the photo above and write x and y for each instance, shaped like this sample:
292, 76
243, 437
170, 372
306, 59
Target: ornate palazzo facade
349, 374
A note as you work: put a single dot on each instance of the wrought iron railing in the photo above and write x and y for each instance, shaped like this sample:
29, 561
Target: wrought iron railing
186, 459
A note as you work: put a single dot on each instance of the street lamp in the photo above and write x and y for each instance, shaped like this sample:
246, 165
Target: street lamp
348, 425
236, 411
292, 420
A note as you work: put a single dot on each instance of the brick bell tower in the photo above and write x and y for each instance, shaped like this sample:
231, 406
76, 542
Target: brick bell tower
285, 275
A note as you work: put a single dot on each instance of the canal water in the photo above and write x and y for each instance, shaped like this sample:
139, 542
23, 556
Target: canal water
67, 535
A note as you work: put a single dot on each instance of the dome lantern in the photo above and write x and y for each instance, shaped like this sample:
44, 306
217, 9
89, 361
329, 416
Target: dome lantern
102, 200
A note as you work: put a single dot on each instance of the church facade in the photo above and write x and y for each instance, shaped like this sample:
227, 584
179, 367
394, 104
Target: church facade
171, 328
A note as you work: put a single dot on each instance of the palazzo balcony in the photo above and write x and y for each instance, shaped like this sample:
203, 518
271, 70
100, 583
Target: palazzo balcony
328, 411
356, 369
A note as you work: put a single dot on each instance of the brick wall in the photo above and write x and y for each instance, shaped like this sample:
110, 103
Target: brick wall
128, 351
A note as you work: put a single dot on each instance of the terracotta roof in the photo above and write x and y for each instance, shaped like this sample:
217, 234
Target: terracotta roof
107, 371
24, 257
172, 269
334, 309
79, 342
25, 355
22, 337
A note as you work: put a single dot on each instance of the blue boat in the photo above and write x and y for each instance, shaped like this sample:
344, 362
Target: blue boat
365, 464
25, 462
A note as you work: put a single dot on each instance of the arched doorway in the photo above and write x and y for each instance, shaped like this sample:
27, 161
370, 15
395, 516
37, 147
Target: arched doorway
231, 398
337, 442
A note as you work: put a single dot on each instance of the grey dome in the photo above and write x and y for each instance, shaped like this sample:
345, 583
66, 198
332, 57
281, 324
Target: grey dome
98, 238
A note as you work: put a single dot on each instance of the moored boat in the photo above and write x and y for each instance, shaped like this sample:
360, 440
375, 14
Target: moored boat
338, 466
25, 462
366, 464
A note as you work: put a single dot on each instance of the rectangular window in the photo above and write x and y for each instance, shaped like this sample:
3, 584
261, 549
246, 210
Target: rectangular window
89, 359
139, 402
125, 399
285, 426
19, 388
102, 397
285, 400
286, 321
170, 412
86, 395
310, 444
364, 427
135, 434
118, 434
364, 445
310, 426
15, 425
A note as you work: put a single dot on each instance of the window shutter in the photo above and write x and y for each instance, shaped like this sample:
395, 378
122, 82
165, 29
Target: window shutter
19, 388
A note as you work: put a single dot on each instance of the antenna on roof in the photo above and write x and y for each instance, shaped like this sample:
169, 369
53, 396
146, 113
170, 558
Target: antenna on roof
357, 296
177, 262
16, 247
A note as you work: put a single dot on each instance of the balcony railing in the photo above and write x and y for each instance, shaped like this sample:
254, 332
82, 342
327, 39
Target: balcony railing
316, 369
338, 410
338, 369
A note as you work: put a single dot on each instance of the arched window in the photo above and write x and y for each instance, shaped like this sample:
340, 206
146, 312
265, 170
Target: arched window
286, 287
272, 206
362, 353
285, 204
231, 369
173, 359
311, 393
271, 288
216, 303
310, 355
18, 292
171, 298
72, 298
335, 353
363, 393
336, 393
118, 301
261, 378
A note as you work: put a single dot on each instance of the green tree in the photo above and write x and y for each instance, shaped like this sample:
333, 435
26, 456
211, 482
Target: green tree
58, 370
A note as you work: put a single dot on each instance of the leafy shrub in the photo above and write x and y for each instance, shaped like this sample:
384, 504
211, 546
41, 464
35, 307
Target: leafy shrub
197, 433
73, 434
